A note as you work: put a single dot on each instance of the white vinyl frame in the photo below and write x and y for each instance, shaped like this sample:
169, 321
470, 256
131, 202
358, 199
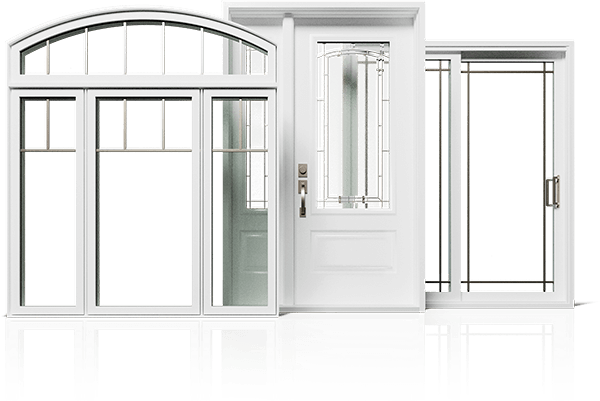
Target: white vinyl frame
208, 325
287, 16
91, 207
561, 54
14, 204
272, 307
86, 88
192, 326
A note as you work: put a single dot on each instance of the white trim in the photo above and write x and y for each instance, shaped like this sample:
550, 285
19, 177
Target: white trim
272, 306
14, 205
92, 308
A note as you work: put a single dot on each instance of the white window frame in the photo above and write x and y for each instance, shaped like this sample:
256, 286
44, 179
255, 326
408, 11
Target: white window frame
14, 204
272, 307
85, 88
91, 207
561, 53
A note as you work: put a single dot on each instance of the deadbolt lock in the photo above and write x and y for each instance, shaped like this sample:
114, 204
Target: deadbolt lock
302, 170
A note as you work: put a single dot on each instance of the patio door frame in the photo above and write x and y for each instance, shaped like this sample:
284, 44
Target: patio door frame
561, 54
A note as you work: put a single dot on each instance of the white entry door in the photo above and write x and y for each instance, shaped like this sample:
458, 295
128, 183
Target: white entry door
357, 243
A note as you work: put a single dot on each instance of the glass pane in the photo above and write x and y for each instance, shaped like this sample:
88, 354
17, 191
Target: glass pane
353, 116
145, 229
144, 48
437, 273
223, 54
49, 228
240, 203
63, 124
34, 124
144, 124
146, 363
239, 364
50, 363
106, 49
507, 150
178, 124
111, 122
67, 54
34, 60
183, 51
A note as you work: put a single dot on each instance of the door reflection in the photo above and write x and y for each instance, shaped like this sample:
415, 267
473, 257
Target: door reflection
441, 354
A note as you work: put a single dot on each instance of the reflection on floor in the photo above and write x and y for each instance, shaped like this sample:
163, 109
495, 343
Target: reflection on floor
436, 355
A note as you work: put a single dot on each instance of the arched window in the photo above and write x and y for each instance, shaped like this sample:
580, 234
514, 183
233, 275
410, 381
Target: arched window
136, 186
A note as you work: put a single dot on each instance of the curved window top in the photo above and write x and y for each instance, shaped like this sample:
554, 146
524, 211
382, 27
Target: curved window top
143, 43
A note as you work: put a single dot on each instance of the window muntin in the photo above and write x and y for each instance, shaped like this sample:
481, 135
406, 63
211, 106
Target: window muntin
522, 154
144, 211
240, 204
48, 202
353, 126
139, 47
437, 170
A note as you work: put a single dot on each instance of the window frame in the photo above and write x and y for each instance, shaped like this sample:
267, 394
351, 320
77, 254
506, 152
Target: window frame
91, 184
561, 54
85, 88
14, 204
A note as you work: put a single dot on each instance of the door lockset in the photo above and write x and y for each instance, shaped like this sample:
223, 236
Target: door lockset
302, 187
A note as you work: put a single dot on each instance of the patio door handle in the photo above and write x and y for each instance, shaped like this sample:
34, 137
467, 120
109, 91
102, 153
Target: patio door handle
555, 192
302, 190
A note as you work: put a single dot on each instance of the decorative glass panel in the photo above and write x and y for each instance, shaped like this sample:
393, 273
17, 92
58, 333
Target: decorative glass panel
240, 206
353, 134
507, 139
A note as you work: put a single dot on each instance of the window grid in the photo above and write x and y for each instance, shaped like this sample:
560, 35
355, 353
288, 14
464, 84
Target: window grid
467, 69
163, 124
247, 52
442, 70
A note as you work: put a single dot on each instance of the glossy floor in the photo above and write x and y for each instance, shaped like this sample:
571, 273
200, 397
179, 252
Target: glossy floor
491, 354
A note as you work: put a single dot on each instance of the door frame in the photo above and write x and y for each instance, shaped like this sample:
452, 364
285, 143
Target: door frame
561, 53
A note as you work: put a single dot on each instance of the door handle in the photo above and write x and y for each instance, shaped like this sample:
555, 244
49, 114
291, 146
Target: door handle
302, 190
555, 192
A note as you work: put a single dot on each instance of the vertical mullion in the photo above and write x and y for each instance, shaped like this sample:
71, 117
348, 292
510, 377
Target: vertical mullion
163, 50
86, 46
380, 126
265, 143
47, 123
326, 133
47, 57
240, 133
124, 123
163, 124
249, 146
201, 51
124, 48
544, 176
367, 127
468, 177
242, 58
440, 176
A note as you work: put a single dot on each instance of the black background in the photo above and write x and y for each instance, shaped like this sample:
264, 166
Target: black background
478, 20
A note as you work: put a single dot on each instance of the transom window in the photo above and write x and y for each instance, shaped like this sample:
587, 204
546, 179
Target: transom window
143, 48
